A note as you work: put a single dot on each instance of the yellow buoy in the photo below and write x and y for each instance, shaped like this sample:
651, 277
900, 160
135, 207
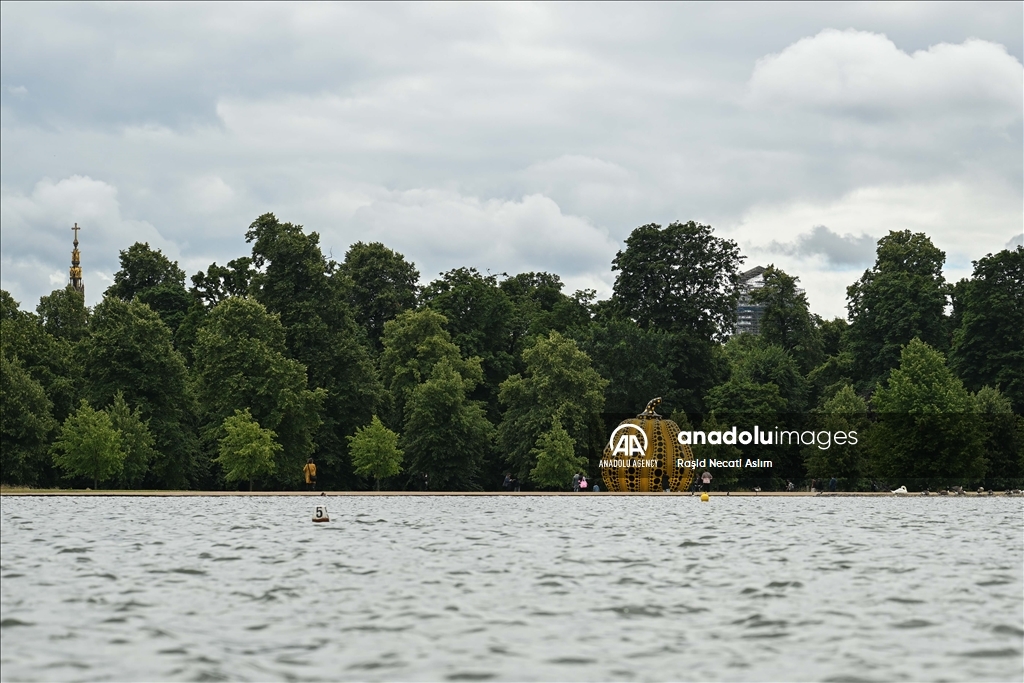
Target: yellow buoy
704, 497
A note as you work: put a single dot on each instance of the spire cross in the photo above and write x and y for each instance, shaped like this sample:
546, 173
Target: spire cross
76, 229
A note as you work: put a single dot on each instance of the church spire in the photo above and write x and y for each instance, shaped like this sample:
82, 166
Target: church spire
75, 273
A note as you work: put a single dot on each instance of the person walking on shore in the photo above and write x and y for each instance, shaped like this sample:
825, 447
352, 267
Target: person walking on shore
706, 481
309, 472
576, 483
508, 481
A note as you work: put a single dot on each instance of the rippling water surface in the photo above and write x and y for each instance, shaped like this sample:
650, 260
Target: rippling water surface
549, 588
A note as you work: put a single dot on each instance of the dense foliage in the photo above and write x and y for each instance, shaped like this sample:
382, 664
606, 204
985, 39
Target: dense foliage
284, 354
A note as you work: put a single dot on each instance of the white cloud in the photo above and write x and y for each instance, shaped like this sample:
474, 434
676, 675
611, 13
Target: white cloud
445, 230
861, 73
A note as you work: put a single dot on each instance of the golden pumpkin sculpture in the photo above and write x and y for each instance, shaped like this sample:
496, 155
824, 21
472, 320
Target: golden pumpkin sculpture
659, 469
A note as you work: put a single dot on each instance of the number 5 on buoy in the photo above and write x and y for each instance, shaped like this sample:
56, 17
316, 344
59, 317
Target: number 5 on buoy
320, 514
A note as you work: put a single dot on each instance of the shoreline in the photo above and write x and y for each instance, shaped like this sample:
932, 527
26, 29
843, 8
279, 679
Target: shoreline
331, 494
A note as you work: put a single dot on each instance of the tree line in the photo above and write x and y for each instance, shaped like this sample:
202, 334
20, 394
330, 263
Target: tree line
238, 377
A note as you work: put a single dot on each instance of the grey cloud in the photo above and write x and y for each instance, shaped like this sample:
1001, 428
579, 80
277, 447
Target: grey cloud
1015, 241
839, 250
553, 128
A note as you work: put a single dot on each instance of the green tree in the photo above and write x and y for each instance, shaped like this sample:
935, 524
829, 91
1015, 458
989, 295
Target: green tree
383, 285
129, 350
479, 317
679, 278
241, 366
845, 412
539, 306
136, 442
223, 282
447, 435
684, 280
156, 280
762, 363
786, 321
414, 343
63, 314
1003, 434
633, 360
556, 458
927, 431
375, 452
832, 334
246, 450
294, 280
88, 446
901, 298
559, 380
988, 344
48, 359
25, 424
744, 403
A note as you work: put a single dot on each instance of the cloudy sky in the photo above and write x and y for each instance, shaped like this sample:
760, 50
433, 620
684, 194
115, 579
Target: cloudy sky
508, 137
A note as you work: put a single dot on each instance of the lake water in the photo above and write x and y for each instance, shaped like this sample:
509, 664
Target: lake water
514, 587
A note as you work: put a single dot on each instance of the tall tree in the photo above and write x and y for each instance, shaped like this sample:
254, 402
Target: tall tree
539, 306
129, 350
927, 431
295, 281
744, 403
684, 280
246, 450
764, 363
49, 360
447, 435
845, 412
988, 344
559, 381
26, 424
557, 461
375, 452
786, 321
414, 343
136, 442
479, 318
633, 360
901, 298
679, 278
383, 285
156, 280
1003, 435
241, 365
88, 446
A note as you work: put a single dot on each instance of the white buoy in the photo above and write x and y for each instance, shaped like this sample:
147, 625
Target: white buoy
320, 514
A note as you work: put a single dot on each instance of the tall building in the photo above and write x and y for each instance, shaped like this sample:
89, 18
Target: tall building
75, 273
748, 314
